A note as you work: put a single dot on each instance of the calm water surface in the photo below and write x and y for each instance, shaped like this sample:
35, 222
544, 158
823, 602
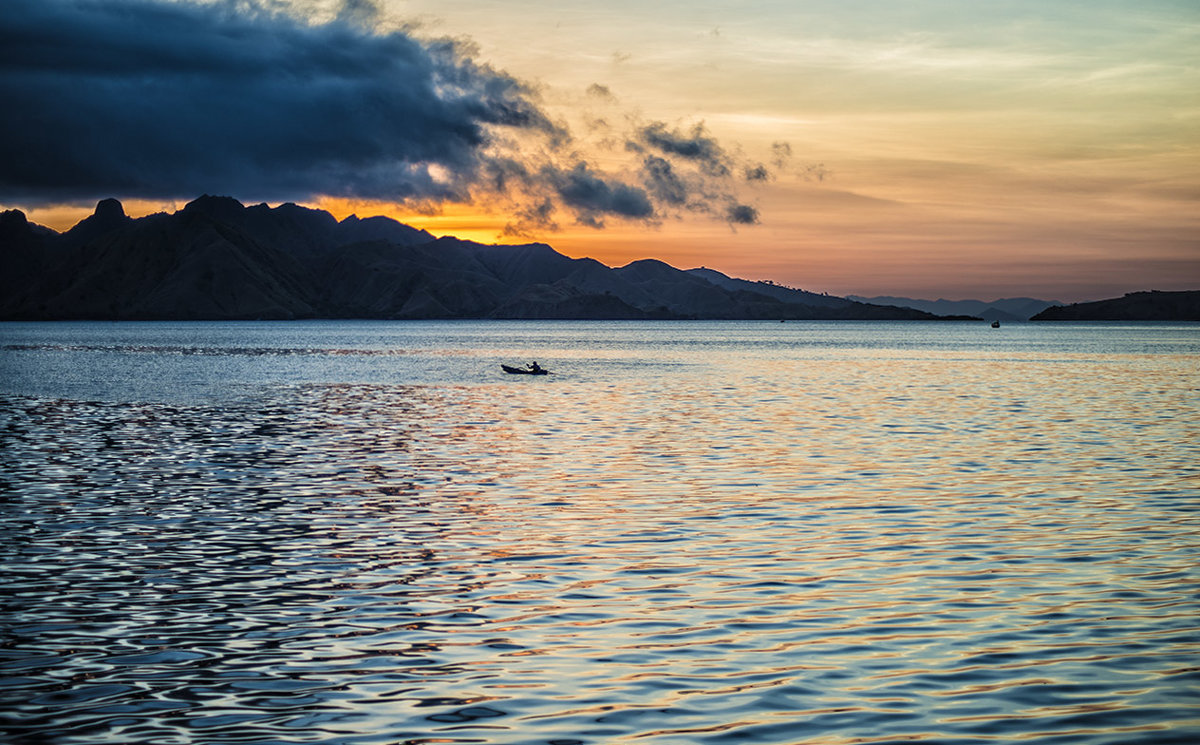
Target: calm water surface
819, 533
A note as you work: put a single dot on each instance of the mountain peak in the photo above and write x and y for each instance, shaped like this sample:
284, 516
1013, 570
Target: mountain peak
13, 220
213, 205
109, 210
108, 217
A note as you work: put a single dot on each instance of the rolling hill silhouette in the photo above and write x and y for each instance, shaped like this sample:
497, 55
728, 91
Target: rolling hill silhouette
217, 259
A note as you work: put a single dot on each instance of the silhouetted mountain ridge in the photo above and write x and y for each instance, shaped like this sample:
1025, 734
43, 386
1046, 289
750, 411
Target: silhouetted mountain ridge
779, 292
217, 259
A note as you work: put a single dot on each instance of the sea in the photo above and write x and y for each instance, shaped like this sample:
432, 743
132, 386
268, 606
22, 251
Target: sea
366, 533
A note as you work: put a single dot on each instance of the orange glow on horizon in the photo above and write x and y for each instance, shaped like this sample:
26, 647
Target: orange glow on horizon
615, 245
63, 217
823, 237
450, 219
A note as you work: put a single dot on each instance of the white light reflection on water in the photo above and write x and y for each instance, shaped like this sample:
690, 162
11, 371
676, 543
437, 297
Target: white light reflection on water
692, 532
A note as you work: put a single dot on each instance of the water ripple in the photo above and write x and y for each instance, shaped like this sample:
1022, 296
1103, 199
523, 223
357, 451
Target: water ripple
865, 550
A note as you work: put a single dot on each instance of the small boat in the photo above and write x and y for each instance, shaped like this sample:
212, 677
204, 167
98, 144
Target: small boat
523, 371
995, 324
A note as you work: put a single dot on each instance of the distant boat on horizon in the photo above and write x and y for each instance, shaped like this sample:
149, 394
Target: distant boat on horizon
995, 324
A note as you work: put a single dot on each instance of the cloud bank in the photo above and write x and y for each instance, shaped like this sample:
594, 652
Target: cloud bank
167, 100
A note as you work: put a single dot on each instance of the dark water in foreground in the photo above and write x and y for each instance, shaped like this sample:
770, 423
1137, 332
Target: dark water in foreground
691, 533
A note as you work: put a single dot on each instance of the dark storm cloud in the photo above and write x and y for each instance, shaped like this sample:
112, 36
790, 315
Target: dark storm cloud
159, 100
741, 214
663, 181
696, 145
758, 172
593, 196
169, 100
694, 173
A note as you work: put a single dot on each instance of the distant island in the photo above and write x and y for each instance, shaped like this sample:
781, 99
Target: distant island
1007, 310
1134, 306
217, 259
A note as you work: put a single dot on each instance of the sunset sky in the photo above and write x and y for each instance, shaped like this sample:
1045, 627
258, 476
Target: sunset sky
927, 148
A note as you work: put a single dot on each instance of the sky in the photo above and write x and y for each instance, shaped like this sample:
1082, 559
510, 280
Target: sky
928, 148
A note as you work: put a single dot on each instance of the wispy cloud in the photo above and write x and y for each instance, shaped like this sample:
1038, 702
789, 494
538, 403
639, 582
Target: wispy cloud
687, 167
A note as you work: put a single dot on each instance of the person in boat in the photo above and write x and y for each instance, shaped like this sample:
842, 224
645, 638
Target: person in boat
534, 367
